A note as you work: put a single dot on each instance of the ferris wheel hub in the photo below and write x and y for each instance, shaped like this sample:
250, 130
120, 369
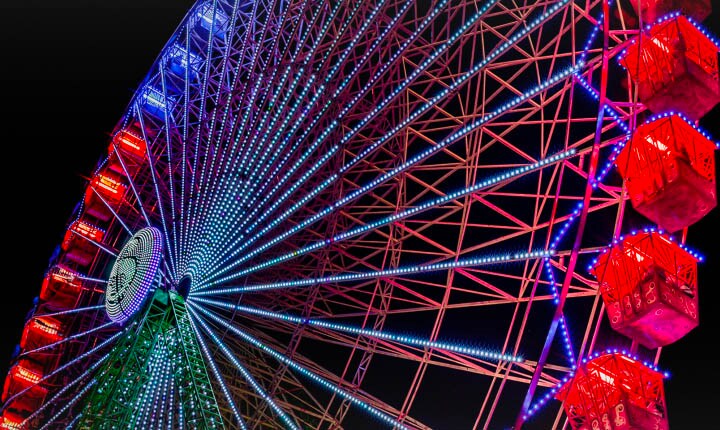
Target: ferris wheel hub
133, 274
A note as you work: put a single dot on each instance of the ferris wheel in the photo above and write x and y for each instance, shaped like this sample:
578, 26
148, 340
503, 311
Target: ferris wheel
386, 214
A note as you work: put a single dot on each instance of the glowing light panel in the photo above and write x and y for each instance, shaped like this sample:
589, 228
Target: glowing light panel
132, 274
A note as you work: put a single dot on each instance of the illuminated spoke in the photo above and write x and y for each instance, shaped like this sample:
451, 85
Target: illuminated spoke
399, 216
114, 213
309, 374
70, 311
65, 366
159, 197
401, 271
67, 339
69, 404
218, 376
462, 132
133, 187
289, 423
303, 198
55, 398
402, 339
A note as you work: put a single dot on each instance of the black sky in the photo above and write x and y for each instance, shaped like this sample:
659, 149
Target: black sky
67, 72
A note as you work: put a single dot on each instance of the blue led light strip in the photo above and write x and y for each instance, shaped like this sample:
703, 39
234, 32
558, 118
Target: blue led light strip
151, 166
192, 209
441, 145
171, 181
421, 207
574, 215
70, 311
116, 151
333, 387
336, 93
222, 204
252, 184
289, 423
342, 30
252, 141
399, 338
551, 394
255, 166
65, 387
400, 271
455, 84
357, 97
218, 375
278, 86
69, 338
110, 208
182, 224
96, 243
68, 404
463, 131
66, 365
564, 329
246, 151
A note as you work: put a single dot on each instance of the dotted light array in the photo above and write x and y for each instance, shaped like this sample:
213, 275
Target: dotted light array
696, 255
66, 365
333, 387
133, 274
711, 37
433, 101
248, 193
71, 311
246, 374
311, 149
215, 223
218, 376
67, 404
601, 175
407, 270
276, 93
67, 339
214, 213
203, 97
404, 339
432, 203
64, 389
463, 131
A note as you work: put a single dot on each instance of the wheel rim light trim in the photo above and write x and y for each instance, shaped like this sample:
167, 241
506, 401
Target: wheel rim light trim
133, 274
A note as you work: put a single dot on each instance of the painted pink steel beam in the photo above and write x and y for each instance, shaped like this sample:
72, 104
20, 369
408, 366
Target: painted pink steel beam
589, 187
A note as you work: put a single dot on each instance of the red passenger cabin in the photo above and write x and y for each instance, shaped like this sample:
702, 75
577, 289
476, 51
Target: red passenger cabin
104, 186
649, 286
78, 242
11, 421
669, 167
61, 288
41, 331
24, 377
651, 10
676, 68
131, 151
615, 392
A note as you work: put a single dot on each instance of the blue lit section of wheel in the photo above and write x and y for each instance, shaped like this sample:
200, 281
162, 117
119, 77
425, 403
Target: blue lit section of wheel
133, 274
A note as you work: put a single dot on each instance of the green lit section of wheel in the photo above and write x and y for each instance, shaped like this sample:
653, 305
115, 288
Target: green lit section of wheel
133, 274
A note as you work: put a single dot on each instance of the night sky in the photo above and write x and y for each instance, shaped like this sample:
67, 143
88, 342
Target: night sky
67, 71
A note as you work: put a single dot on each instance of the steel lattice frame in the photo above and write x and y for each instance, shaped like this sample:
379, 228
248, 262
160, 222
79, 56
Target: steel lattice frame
448, 154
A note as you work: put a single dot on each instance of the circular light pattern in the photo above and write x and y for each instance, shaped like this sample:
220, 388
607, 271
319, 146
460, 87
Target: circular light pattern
132, 274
